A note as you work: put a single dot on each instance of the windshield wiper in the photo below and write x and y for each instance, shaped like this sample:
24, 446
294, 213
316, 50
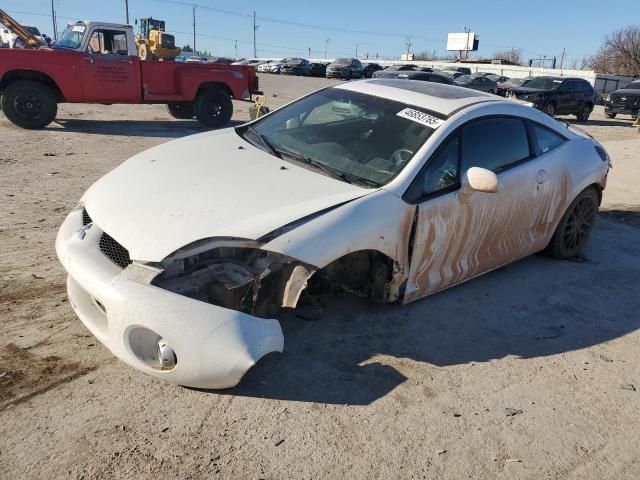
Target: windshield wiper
330, 171
265, 141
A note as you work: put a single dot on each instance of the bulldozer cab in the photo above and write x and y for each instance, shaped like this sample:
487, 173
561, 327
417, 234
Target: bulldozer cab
148, 24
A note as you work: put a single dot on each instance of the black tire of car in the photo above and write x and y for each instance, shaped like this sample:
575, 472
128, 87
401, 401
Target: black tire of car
181, 110
611, 115
491, 92
549, 108
29, 104
213, 107
585, 111
576, 224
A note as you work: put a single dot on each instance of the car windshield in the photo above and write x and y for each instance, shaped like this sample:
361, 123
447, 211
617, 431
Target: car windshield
633, 86
342, 61
517, 82
71, 37
544, 83
354, 137
294, 61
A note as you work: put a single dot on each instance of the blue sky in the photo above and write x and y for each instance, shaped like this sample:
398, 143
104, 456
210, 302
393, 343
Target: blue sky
291, 27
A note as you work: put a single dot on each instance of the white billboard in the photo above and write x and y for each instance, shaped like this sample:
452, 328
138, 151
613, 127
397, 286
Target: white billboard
463, 41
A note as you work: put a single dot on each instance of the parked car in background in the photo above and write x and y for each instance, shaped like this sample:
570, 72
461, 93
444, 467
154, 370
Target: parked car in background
220, 60
423, 76
296, 66
395, 68
451, 74
497, 78
624, 101
196, 59
265, 67
368, 69
318, 69
251, 62
558, 96
504, 88
477, 82
464, 70
346, 68
277, 65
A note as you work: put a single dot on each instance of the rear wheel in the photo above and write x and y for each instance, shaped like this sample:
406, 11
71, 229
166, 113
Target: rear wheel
611, 115
181, 110
213, 107
584, 112
29, 104
573, 230
491, 92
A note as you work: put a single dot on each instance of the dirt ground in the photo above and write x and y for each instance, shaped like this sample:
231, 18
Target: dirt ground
532, 371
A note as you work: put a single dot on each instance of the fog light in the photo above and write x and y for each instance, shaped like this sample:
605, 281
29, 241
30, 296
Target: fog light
166, 355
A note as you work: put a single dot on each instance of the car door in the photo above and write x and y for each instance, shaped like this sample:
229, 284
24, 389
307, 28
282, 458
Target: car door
567, 97
109, 73
457, 236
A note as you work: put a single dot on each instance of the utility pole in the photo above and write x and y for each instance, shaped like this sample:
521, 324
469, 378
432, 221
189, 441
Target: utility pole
357, 45
564, 51
126, 10
408, 43
53, 17
466, 48
326, 45
194, 29
236, 45
255, 27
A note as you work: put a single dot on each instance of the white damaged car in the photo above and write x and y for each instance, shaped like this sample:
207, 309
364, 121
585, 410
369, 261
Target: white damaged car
179, 259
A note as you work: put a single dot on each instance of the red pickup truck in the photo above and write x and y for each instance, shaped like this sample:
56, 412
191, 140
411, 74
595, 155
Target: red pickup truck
98, 63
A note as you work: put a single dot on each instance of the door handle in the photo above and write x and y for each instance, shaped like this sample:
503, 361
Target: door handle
542, 176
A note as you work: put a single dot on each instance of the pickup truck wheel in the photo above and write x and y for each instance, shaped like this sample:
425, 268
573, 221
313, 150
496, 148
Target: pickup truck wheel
611, 115
213, 107
181, 110
29, 105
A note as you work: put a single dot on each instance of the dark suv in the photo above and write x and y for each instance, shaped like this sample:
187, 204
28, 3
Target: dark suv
559, 95
626, 101
345, 68
296, 66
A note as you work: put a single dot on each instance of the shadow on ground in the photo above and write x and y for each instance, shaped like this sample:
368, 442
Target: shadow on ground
134, 128
357, 353
601, 123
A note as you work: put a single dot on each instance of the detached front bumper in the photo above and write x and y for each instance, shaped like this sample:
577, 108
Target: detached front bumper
214, 346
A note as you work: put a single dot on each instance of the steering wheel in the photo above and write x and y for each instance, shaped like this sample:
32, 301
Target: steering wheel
401, 156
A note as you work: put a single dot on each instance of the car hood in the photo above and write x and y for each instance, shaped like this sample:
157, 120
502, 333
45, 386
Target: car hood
208, 185
628, 91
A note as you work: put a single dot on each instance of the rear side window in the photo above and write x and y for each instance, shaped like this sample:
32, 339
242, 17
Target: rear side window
494, 144
546, 139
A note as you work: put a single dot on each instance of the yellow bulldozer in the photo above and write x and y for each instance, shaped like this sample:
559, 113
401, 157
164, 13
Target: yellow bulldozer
153, 42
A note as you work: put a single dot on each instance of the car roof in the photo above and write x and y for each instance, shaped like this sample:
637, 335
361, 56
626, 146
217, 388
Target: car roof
437, 97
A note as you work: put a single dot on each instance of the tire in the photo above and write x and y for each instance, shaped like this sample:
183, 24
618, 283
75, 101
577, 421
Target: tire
550, 109
611, 115
143, 51
28, 104
213, 107
576, 224
491, 92
585, 111
181, 110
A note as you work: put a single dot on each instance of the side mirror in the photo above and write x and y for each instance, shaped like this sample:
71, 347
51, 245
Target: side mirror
478, 179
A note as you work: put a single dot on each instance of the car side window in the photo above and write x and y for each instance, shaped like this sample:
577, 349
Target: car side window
494, 143
546, 139
109, 42
441, 171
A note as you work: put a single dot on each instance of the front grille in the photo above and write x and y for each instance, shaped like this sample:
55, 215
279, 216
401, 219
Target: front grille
114, 251
629, 100
86, 219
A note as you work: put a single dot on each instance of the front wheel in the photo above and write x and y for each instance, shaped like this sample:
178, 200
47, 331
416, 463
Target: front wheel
181, 110
29, 104
611, 115
213, 107
573, 230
